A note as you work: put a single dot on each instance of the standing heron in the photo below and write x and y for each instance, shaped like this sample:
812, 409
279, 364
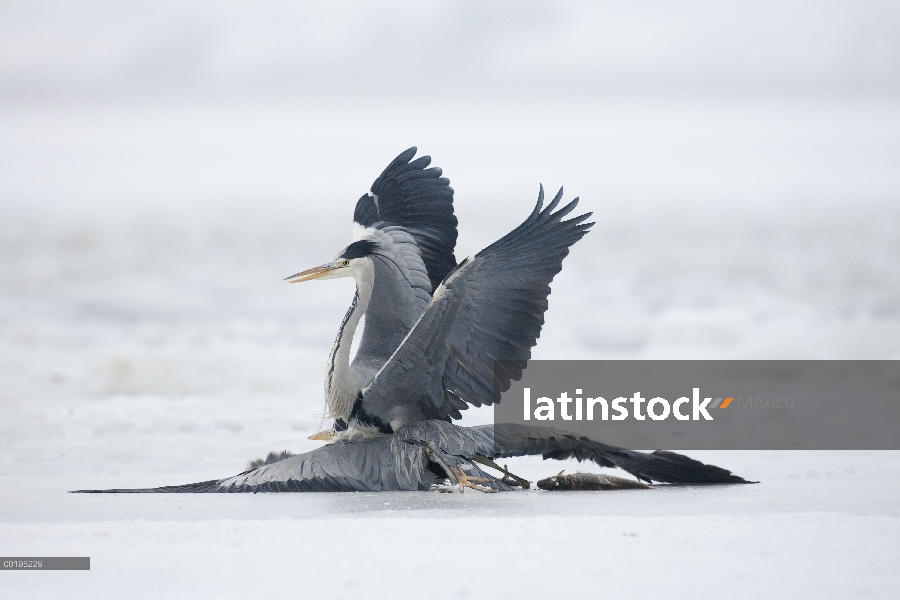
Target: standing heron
433, 331
404, 234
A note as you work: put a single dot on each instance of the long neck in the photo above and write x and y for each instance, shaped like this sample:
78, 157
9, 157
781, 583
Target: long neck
341, 385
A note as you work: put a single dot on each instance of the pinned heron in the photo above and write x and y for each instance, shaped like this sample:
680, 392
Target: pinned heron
423, 455
433, 331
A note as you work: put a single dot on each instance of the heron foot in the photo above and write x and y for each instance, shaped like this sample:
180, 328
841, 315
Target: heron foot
456, 473
465, 481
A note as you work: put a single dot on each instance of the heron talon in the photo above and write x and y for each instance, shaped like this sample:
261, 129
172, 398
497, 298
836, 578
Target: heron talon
470, 482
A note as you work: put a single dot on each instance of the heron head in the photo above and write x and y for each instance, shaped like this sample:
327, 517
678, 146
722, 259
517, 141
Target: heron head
347, 264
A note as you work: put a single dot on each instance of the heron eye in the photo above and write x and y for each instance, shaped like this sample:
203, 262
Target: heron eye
345, 262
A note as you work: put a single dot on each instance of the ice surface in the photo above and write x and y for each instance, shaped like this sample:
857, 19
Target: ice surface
821, 524
149, 341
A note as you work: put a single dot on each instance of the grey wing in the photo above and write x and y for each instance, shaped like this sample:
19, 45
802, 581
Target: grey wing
418, 199
669, 467
489, 308
375, 465
366, 466
506, 440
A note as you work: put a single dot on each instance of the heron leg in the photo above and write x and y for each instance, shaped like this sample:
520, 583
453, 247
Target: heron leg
523, 483
456, 474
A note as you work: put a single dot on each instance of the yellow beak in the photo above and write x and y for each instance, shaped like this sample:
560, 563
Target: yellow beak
323, 436
314, 273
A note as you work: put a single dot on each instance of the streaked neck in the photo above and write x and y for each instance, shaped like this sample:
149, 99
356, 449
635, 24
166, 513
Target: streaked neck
341, 385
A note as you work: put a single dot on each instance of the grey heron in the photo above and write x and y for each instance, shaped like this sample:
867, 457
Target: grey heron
432, 334
434, 328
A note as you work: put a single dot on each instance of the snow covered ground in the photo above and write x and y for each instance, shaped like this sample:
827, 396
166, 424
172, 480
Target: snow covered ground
146, 339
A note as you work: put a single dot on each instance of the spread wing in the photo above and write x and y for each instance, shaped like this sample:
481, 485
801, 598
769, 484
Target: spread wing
419, 200
374, 465
489, 308
668, 467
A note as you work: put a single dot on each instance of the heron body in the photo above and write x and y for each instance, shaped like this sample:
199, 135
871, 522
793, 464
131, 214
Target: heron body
391, 304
